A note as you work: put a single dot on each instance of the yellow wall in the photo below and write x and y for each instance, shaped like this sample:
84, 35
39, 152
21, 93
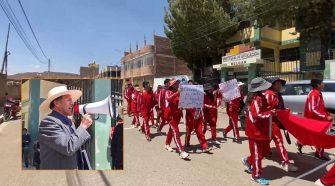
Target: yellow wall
285, 34
247, 33
46, 86
270, 33
25, 91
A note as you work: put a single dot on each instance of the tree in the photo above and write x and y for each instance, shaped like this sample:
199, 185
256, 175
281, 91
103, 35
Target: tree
198, 29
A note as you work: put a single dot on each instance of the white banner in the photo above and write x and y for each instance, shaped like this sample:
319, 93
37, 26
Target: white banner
191, 96
230, 90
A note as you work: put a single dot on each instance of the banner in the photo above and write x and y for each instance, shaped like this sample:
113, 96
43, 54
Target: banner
307, 131
191, 96
230, 90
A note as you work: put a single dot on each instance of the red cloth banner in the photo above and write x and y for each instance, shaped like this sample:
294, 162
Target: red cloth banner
307, 131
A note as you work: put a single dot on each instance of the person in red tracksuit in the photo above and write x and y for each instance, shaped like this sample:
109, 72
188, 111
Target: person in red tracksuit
272, 96
210, 111
173, 114
233, 110
127, 94
156, 94
152, 116
162, 103
315, 109
258, 128
194, 120
328, 179
147, 104
134, 106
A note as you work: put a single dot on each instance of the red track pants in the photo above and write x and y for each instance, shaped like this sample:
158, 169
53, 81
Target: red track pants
257, 152
233, 119
197, 126
174, 132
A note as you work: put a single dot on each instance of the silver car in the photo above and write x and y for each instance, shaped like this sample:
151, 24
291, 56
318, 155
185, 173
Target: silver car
295, 95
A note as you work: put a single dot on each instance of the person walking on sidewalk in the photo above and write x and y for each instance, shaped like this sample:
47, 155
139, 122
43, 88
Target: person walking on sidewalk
210, 111
25, 146
147, 105
275, 101
162, 104
194, 120
173, 115
127, 94
258, 129
233, 110
134, 107
315, 109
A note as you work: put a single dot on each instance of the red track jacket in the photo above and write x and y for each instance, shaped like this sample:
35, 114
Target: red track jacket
147, 101
257, 126
315, 106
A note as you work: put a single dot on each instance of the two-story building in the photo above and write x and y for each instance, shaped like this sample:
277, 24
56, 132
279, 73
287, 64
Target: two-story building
152, 61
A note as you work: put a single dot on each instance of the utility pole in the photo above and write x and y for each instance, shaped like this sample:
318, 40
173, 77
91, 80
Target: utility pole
6, 53
49, 68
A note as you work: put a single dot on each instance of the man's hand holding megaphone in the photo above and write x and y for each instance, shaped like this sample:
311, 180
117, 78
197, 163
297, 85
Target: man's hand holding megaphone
86, 121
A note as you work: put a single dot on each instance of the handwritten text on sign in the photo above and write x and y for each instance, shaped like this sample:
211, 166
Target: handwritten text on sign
230, 90
191, 96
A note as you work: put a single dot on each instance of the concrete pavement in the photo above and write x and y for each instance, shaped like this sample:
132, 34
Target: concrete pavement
148, 163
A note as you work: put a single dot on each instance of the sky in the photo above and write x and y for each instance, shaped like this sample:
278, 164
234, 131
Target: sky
74, 33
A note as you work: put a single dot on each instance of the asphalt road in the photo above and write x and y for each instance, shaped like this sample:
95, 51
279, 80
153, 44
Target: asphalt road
148, 163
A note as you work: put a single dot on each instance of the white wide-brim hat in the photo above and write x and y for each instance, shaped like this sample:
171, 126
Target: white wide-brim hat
57, 92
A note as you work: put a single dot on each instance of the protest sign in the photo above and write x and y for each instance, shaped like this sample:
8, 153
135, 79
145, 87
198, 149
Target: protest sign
191, 96
230, 90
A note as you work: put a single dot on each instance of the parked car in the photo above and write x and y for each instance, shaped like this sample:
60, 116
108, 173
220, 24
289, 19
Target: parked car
295, 95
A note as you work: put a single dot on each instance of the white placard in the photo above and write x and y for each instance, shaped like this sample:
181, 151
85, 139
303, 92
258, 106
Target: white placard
191, 96
230, 90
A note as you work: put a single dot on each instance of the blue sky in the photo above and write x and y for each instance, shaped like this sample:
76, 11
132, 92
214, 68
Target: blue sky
73, 33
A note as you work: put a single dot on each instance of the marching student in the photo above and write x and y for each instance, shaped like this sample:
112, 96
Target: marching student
210, 111
152, 116
315, 109
147, 104
275, 101
233, 110
194, 120
134, 106
159, 114
173, 114
257, 128
127, 94
162, 103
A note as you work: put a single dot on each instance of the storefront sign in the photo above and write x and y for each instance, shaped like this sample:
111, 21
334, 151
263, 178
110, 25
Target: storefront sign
241, 59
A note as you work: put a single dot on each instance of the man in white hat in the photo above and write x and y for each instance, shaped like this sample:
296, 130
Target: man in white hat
60, 141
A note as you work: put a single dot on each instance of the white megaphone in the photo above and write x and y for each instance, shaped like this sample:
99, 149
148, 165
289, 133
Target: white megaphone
100, 107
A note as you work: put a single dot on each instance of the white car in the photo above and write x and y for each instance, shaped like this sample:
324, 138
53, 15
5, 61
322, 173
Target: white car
295, 95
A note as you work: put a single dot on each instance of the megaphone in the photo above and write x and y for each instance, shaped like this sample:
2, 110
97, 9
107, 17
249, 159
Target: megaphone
100, 107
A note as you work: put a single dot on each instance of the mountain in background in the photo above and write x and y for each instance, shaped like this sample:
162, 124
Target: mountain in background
42, 75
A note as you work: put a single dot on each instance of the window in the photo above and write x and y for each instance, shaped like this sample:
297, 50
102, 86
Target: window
291, 54
329, 87
298, 89
148, 61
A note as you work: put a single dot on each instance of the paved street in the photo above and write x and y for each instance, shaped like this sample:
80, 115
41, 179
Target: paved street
148, 163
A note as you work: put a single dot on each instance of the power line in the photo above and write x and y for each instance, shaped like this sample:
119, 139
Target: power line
17, 26
25, 15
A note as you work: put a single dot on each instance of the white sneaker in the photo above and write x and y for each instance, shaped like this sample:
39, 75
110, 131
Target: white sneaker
183, 155
288, 167
168, 148
318, 182
208, 149
217, 142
